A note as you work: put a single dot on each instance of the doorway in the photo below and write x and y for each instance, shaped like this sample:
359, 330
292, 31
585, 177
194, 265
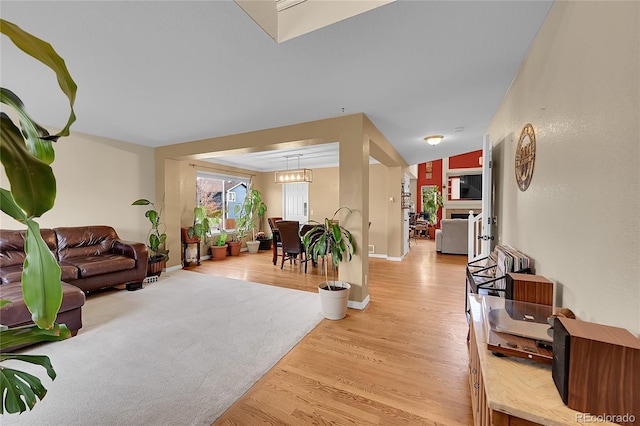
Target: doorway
295, 198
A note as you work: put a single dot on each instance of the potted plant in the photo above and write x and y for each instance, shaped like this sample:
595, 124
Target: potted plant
219, 247
156, 238
234, 245
201, 224
431, 203
333, 241
250, 214
27, 154
264, 240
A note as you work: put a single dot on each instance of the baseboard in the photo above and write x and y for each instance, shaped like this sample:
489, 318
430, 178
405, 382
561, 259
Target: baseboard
172, 268
395, 259
358, 305
379, 256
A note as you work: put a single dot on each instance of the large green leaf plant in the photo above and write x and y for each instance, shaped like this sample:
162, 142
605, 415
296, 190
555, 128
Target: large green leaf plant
250, 213
26, 152
330, 239
157, 237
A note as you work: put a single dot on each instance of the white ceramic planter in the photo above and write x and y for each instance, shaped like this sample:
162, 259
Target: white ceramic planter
334, 302
253, 246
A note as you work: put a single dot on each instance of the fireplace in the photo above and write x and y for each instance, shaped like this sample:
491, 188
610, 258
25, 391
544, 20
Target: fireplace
459, 215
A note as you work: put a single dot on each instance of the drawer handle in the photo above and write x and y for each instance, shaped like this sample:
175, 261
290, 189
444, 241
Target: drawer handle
474, 371
476, 386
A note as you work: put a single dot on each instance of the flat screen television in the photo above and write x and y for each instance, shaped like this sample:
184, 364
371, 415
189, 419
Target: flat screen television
466, 187
471, 187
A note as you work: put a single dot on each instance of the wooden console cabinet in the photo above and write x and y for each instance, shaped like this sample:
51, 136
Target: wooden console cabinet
509, 391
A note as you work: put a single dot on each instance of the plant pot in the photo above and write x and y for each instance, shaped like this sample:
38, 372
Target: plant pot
265, 244
334, 302
253, 246
432, 232
155, 265
218, 252
234, 248
186, 239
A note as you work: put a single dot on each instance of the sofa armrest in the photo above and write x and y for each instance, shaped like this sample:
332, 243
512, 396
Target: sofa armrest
132, 249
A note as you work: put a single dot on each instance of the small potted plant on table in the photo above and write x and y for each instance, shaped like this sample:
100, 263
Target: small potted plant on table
196, 233
333, 241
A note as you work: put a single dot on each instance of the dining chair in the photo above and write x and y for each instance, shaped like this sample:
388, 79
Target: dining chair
277, 243
292, 248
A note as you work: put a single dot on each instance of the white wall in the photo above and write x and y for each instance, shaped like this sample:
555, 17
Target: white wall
97, 180
579, 219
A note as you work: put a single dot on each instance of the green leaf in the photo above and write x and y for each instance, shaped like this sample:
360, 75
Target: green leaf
153, 217
44, 52
154, 242
18, 387
41, 288
28, 334
10, 207
32, 131
141, 202
33, 184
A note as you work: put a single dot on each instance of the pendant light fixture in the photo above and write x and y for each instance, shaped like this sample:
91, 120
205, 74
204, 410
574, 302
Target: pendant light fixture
293, 176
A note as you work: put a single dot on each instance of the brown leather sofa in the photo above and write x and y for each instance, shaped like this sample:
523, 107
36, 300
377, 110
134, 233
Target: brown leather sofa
90, 258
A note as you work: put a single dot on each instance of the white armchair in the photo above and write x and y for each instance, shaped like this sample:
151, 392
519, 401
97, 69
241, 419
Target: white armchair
452, 236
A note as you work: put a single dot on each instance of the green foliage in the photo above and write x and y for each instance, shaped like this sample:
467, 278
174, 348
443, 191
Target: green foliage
330, 239
201, 223
156, 236
221, 239
432, 201
250, 213
26, 153
18, 387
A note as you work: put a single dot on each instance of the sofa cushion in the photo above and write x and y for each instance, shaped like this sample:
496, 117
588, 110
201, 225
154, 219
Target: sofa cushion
89, 266
12, 245
16, 313
84, 241
10, 274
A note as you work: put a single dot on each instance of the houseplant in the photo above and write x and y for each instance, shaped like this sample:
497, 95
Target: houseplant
26, 154
202, 223
250, 214
219, 247
234, 245
332, 240
156, 238
431, 203
264, 240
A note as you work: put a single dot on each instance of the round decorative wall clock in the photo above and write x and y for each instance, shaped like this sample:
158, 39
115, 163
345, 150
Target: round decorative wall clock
525, 157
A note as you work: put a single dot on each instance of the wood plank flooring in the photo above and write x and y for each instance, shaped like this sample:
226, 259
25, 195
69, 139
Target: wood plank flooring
403, 360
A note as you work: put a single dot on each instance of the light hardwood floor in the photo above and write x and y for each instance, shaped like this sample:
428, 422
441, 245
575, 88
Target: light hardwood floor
402, 360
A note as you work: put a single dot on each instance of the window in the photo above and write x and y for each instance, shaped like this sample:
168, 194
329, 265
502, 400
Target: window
220, 194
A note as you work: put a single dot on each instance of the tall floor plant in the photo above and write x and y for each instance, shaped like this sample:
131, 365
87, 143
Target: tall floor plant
26, 152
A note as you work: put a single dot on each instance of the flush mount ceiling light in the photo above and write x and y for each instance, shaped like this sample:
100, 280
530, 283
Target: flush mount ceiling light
293, 176
434, 139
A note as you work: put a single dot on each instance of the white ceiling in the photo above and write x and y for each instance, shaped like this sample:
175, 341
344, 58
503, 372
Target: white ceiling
163, 72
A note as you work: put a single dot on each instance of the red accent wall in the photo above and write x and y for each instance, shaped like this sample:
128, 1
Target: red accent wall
465, 161
468, 160
436, 179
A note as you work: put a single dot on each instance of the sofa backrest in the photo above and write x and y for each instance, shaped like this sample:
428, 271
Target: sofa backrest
84, 241
12, 245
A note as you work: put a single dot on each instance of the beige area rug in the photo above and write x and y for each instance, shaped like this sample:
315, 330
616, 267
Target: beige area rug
178, 352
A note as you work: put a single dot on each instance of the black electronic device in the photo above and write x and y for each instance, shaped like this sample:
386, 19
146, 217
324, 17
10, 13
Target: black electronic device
134, 286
